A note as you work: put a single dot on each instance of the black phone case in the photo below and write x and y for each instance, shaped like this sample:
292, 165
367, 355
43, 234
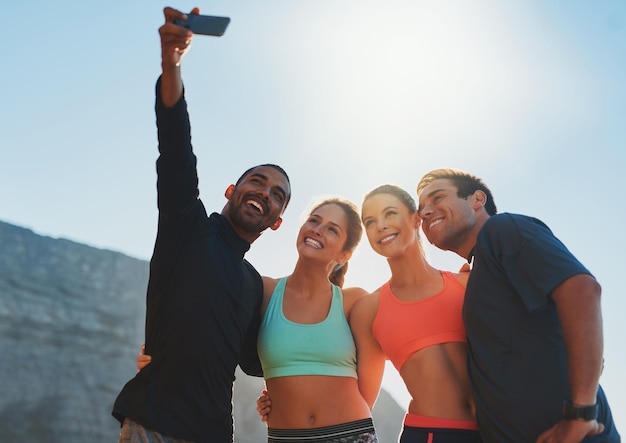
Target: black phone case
205, 24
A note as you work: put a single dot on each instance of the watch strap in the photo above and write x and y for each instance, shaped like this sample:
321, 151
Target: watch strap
573, 411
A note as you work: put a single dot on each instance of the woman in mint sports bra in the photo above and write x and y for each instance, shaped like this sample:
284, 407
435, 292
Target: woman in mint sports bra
306, 346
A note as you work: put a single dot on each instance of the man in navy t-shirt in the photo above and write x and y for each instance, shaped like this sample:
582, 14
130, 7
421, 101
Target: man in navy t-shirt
532, 314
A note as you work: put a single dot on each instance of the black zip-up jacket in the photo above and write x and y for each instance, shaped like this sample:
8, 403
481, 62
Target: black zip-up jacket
203, 304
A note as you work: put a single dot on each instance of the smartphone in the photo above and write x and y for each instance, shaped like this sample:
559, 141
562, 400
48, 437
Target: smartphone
205, 24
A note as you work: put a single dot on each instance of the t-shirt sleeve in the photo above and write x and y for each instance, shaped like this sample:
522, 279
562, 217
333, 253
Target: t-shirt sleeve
532, 258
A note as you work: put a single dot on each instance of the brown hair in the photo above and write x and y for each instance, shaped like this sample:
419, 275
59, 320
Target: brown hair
397, 192
354, 233
466, 184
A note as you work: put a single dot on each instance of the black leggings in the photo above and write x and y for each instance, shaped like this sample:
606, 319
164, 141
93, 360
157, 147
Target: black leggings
438, 435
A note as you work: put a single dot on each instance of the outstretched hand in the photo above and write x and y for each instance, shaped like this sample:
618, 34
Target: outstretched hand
175, 39
571, 431
264, 405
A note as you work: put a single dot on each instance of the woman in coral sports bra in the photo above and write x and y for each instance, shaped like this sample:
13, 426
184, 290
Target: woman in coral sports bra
415, 321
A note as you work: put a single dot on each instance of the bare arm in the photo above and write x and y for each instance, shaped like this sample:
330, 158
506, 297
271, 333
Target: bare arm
578, 305
370, 357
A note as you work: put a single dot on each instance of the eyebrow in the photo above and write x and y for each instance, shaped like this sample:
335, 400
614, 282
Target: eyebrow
430, 194
329, 221
384, 209
282, 192
264, 177
433, 192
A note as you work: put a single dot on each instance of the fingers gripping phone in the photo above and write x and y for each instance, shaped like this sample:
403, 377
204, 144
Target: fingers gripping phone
205, 24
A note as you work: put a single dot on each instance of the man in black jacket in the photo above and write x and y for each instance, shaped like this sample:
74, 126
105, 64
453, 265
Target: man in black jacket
203, 297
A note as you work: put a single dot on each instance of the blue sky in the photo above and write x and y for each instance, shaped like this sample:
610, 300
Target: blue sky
346, 95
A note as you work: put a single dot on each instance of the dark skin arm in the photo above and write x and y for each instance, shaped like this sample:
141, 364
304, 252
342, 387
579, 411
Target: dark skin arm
175, 41
578, 305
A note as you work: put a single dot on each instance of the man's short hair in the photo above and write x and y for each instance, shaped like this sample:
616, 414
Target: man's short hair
270, 165
465, 183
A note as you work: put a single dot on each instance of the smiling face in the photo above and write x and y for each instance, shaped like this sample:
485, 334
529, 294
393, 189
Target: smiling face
450, 222
323, 235
257, 202
389, 224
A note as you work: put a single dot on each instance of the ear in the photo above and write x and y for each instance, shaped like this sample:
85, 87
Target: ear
479, 199
229, 192
276, 224
417, 221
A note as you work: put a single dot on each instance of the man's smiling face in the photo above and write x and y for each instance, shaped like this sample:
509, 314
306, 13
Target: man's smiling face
447, 219
257, 201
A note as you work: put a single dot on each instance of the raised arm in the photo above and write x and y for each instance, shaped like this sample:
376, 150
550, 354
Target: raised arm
175, 41
176, 167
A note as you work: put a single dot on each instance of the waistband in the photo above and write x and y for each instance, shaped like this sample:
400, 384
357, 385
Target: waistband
421, 421
322, 434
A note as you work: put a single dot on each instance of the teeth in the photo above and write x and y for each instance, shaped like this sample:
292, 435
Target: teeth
435, 223
314, 243
388, 238
256, 205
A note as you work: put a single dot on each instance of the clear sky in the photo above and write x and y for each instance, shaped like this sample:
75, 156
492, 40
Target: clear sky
346, 95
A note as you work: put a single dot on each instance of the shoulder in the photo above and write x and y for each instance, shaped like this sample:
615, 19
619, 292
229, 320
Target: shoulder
509, 233
366, 306
461, 277
507, 222
269, 284
352, 295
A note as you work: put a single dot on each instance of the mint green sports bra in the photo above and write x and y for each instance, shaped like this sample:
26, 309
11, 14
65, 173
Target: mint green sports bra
288, 349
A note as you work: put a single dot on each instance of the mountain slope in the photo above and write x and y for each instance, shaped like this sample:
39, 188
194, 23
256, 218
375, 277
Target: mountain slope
71, 323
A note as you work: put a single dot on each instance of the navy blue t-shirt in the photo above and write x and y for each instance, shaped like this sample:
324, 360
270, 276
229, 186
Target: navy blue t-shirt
517, 356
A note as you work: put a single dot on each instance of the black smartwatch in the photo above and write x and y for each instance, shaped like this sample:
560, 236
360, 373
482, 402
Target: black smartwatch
579, 412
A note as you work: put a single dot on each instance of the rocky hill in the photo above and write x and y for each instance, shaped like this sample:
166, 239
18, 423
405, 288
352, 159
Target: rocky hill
71, 323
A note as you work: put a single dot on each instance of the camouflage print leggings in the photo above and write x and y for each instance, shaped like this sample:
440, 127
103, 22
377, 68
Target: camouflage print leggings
133, 432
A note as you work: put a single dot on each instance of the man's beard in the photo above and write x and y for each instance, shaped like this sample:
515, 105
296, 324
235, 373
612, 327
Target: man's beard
252, 226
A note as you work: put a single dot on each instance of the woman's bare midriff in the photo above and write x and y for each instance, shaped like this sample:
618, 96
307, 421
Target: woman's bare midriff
436, 377
313, 401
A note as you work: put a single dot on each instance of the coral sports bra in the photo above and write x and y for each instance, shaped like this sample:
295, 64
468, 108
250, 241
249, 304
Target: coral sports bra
403, 328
